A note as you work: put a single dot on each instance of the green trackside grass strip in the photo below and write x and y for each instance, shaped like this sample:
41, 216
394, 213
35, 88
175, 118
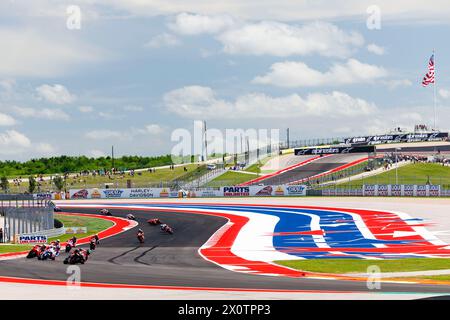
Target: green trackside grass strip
341, 266
94, 225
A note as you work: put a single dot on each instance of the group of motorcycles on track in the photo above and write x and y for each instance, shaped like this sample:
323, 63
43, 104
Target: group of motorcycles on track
52, 250
140, 234
81, 255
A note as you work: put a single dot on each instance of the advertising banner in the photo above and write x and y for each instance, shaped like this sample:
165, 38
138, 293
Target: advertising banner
397, 138
265, 191
119, 193
396, 190
434, 191
333, 150
43, 196
205, 193
295, 190
30, 238
421, 191
235, 191
75, 230
383, 190
370, 190
408, 190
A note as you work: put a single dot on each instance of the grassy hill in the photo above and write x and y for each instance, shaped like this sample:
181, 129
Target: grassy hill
415, 173
161, 176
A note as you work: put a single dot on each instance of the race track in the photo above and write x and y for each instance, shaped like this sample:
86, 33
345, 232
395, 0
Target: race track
174, 261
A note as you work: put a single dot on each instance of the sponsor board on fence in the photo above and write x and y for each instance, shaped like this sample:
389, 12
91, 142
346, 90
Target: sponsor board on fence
407, 190
75, 230
119, 193
264, 191
396, 138
235, 191
24, 238
43, 196
205, 193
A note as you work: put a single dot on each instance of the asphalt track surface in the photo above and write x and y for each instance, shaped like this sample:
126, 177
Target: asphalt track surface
173, 260
311, 169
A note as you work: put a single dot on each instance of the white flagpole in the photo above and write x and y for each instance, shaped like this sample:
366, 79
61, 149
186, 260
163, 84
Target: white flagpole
434, 86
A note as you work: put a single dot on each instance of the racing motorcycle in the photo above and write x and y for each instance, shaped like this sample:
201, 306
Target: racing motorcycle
69, 245
154, 222
47, 254
141, 237
166, 228
75, 258
34, 252
93, 244
105, 212
131, 217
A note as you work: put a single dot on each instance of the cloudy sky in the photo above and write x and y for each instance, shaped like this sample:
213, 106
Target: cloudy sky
130, 72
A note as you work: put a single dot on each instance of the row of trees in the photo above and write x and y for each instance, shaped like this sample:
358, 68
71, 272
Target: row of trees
67, 164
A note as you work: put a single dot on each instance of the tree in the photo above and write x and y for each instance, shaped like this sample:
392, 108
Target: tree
31, 184
4, 184
59, 182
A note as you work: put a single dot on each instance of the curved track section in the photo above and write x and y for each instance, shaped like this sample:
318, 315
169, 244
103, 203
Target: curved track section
176, 261
313, 168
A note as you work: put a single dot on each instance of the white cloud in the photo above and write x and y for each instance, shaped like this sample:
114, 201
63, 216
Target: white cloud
6, 120
103, 134
298, 74
85, 109
192, 24
55, 94
109, 115
45, 148
97, 153
444, 93
198, 102
13, 142
395, 83
279, 39
153, 129
163, 40
29, 53
376, 49
133, 108
45, 113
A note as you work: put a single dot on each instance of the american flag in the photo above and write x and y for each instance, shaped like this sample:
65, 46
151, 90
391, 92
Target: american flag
429, 77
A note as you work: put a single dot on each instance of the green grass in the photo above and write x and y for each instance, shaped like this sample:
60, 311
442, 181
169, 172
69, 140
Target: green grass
140, 179
230, 179
255, 168
416, 173
94, 225
444, 277
6, 248
340, 266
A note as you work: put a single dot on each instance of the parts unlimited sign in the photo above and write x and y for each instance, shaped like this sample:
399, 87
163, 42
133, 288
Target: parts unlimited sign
22, 239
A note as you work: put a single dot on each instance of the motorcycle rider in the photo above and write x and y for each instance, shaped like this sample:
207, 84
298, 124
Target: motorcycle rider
97, 239
140, 234
77, 253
